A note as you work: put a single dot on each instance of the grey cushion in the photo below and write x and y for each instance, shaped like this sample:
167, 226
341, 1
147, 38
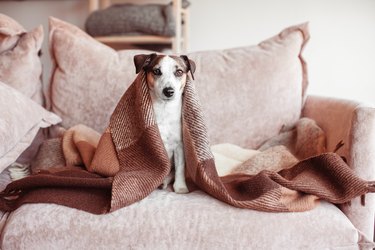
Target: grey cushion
153, 19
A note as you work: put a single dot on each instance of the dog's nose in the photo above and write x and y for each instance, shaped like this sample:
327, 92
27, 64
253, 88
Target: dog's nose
168, 91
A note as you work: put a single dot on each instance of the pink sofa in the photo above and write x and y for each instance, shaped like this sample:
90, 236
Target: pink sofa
248, 95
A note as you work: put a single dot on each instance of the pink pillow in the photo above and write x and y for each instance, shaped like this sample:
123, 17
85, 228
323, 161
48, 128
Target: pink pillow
9, 26
248, 94
88, 78
20, 65
20, 120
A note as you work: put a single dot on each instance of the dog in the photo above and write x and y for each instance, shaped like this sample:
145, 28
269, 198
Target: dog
166, 78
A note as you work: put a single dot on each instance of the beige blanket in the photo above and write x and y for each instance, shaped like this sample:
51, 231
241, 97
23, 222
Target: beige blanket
280, 152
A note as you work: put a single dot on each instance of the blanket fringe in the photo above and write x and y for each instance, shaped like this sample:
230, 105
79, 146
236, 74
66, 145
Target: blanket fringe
338, 146
363, 200
371, 186
18, 171
8, 199
371, 189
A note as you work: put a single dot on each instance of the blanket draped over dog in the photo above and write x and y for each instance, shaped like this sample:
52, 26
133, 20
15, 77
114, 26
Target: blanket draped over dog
130, 161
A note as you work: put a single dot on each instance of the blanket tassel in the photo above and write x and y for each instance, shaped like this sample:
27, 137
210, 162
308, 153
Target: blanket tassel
371, 189
371, 186
339, 145
18, 171
8, 199
363, 200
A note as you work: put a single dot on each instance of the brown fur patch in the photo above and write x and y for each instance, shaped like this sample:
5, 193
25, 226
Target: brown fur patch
181, 63
153, 63
150, 77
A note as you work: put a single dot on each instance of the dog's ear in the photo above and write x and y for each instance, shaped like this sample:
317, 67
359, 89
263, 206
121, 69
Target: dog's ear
141, 61
190, 65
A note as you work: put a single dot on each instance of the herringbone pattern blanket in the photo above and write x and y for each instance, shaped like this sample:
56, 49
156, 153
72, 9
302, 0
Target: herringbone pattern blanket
130, 161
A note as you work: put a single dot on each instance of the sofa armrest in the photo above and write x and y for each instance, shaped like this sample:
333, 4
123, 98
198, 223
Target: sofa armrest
354, 124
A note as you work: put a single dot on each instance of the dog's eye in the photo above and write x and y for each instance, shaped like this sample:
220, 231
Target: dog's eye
156, 72
179, 72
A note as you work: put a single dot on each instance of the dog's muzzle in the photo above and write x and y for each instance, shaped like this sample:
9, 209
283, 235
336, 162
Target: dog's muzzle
168, 92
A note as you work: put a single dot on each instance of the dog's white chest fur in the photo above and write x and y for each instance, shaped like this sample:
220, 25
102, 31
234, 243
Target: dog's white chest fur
168, 118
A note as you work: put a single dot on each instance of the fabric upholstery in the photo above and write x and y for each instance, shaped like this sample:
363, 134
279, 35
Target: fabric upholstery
165, 220
20, 65
20, 121
353, 124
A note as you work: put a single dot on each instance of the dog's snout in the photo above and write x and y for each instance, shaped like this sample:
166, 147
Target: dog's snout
168, 91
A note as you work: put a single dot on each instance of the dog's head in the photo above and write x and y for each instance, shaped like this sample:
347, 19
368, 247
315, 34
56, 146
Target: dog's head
166, 75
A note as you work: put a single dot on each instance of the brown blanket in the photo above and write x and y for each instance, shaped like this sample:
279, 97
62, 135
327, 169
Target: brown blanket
132, 151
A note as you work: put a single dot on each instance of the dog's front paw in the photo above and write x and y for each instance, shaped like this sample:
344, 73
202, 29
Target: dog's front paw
164, 185
168, 179
180, 188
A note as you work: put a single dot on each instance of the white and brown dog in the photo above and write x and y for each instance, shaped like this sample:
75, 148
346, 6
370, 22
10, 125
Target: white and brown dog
166, 77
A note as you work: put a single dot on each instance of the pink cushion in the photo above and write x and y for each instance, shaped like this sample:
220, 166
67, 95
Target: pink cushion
9, 26
88, 78
248, 94
20, 120
20, 65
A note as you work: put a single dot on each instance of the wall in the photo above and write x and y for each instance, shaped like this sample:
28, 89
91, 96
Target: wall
340, 53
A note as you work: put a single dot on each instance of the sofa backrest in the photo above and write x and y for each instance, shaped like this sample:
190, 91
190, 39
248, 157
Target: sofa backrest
248, 94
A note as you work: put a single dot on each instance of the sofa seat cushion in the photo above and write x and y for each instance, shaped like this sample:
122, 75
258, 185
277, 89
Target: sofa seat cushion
166, 220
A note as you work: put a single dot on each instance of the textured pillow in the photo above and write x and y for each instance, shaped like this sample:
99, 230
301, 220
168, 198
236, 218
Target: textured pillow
20, 65
88, 78
118, 19
248, 94
9, 26
20, 120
